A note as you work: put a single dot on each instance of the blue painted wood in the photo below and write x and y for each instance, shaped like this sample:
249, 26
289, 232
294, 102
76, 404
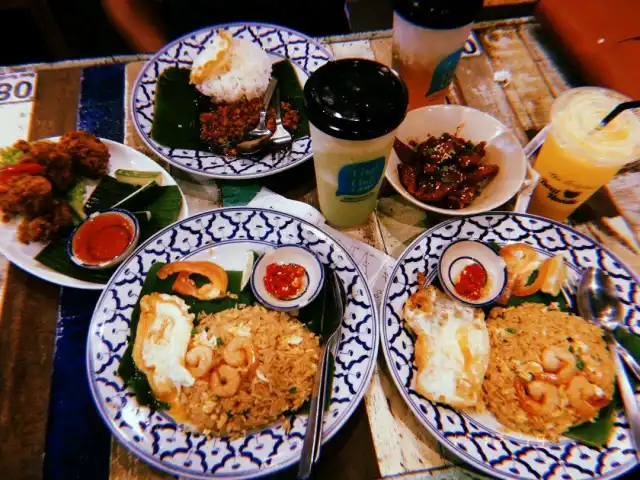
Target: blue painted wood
78, 444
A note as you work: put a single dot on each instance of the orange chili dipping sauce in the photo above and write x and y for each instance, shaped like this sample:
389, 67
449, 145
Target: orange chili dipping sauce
471, 281
285, 281
102, 238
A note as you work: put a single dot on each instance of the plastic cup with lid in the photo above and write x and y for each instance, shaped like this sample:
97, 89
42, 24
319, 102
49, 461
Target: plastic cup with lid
354, 107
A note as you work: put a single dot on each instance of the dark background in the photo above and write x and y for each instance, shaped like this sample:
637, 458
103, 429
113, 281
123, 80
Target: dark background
49, 30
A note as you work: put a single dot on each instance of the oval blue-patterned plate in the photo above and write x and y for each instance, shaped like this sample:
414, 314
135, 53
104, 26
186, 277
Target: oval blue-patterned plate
224, 236
305, 54
479, 439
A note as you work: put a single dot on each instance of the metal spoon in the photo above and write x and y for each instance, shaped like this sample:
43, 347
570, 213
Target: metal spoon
255, 145
597, 303
333, 311
260, 137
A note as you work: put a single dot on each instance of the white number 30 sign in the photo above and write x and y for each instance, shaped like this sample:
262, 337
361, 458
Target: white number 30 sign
17, 87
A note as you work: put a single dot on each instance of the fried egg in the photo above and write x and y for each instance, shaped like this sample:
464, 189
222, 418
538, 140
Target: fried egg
214, 59
451, 350
162, 338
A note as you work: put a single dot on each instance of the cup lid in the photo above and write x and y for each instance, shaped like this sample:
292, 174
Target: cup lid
355, 99
439, 14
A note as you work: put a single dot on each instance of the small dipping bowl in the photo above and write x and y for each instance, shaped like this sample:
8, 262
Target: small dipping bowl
104, 239
286, 255
474, 254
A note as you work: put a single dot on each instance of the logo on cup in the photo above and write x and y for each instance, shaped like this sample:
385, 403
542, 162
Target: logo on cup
358, 179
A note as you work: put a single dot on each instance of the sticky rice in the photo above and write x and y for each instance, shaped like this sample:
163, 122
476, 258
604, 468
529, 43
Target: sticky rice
229, 69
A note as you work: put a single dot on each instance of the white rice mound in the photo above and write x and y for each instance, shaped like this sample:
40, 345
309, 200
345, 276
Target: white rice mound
231, 68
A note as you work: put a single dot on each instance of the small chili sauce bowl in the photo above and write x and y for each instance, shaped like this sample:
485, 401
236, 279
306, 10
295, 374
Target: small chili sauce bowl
104, 239
472, 272
287, 278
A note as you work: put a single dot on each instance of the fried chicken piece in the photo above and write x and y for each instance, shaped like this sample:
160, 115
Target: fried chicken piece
44, 228
89, 155
56, 161
26, 195
22, 145
62, 214
40, 229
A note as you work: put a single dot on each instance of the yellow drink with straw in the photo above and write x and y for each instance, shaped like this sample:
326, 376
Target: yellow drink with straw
576, 158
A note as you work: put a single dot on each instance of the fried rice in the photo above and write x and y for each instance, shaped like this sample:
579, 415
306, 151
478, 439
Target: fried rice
548, 370
279, 379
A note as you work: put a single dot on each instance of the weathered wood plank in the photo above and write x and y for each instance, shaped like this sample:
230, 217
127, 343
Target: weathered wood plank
29, 312
526, 90
555, 80
477, 88
381, 48
400, 223
402, 443
125, 466
350, 455
355, 49
27, 335
626, 195
55, 108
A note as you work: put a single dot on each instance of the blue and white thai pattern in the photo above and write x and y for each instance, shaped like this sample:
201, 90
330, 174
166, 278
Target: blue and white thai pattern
303, 52
155, 437
477, 439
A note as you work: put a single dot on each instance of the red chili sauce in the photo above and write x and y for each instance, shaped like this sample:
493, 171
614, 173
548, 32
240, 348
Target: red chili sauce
102, 238
471, 282
285, 281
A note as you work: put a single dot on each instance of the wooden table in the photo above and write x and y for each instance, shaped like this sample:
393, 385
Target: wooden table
48, 424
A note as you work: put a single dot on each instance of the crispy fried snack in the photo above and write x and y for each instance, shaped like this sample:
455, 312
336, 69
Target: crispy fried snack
89, 155
56, 161
44, 228
26, 195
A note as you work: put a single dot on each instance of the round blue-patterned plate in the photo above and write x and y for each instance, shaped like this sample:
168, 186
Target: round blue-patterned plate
224, 236
304, 53
479, 439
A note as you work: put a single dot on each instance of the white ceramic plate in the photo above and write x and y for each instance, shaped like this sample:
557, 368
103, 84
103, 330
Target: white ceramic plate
503, 149
479, 439
224, 236
24, 255
305, 54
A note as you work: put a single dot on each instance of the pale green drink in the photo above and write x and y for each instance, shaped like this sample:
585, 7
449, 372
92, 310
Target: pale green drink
354, 108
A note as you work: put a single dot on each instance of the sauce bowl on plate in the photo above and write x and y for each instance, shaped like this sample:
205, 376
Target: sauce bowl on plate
287, 278
471, 272
104, 239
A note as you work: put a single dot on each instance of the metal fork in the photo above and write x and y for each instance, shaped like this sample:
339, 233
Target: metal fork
281, 136
334, 302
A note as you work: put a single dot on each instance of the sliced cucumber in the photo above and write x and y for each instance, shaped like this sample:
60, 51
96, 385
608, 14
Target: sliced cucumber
138, 177
249, 260
76, 197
